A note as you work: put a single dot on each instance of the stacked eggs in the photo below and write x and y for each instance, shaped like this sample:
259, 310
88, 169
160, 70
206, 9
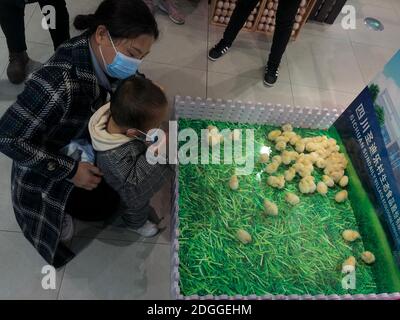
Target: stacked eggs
223, 12
268, 18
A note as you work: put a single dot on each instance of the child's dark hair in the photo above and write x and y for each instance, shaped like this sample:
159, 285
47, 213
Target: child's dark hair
122, 18
136, 102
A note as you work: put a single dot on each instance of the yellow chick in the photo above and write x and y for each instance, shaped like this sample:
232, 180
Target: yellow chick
282, 138
234, 183
274, 134
344, 181
271, 209
272, 168
289, 135
307, 185
322, 188
290, 174
276, 182
277, 160
264, 158
351, 235
300, 146
243, 236
368, 257
280, 146
311, 147
292, 198
328, 181
341, 196
287, 127
320, 163
349, 265
293, 140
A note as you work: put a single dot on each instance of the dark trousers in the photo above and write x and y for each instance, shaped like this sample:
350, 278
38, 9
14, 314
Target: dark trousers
12, 14
285, 18
96, 205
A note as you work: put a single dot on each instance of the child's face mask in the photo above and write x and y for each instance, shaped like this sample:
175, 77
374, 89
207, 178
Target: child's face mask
122, 66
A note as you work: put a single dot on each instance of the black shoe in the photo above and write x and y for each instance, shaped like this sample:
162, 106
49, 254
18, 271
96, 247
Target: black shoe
270, 76
17, 69
219, 50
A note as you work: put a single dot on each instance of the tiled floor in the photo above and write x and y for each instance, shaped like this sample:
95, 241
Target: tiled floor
326, 67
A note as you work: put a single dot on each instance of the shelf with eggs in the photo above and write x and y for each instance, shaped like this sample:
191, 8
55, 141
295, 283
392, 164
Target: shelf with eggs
222, 11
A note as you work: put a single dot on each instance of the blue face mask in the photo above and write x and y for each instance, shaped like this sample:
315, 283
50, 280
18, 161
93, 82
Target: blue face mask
122, 66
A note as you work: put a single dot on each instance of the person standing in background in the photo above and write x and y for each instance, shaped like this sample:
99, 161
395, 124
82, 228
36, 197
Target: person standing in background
12, 23
285, 18
167, 6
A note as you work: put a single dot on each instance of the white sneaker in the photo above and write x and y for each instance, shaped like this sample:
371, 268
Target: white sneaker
67, 231
148, 230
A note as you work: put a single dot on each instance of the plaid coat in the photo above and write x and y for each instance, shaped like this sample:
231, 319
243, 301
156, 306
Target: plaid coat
54, 108
128, 172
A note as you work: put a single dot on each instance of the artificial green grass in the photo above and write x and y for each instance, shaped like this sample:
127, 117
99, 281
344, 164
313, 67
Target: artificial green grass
298, 252
386, 271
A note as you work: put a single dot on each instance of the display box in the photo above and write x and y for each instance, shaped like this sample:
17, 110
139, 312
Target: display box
224, 245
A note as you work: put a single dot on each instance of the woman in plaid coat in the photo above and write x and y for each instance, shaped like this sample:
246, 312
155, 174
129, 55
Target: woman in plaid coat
55, 108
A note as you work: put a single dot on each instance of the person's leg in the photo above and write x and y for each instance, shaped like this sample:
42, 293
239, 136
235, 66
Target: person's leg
170, 8
285, 18
96, 205
136, 210
61, 33
12, 14
239, 16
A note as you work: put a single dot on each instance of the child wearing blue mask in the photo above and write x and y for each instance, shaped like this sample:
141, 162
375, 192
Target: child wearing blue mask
120, 136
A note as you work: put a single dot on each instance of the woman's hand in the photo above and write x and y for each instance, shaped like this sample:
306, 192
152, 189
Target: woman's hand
87, 176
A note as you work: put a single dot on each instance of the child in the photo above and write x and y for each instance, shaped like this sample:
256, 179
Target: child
118, 131
169, 7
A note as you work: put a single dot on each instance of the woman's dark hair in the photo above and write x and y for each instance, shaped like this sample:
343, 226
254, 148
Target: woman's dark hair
136, 103
122, 18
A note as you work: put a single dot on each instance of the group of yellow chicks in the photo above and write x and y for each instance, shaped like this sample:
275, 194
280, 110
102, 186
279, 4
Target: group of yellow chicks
320, 152
307, 154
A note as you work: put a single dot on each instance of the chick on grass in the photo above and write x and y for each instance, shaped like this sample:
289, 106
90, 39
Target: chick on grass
243, 236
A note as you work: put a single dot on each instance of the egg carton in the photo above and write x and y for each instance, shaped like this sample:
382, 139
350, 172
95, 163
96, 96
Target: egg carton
222, 11
253, 113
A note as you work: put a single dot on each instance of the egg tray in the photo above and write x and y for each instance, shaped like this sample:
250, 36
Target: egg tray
263, 15
248, 113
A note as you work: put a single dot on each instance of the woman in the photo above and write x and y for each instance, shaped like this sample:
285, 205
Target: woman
49, 187
285, 18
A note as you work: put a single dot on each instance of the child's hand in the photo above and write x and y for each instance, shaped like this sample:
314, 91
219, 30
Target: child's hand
87, 177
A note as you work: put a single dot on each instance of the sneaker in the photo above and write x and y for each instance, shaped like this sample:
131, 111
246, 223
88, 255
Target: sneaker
218, 50
270, 76
17, 68
67, 231
148, 230
169, 7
